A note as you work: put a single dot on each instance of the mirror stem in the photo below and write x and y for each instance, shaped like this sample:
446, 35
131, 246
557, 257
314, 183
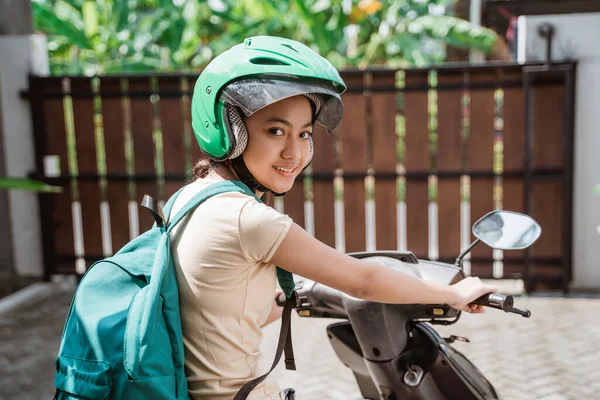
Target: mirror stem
466, 251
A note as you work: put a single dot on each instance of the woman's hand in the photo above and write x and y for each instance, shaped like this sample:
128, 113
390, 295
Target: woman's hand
468, 290
276, 310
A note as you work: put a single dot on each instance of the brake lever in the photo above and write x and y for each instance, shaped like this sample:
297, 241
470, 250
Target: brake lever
524, 313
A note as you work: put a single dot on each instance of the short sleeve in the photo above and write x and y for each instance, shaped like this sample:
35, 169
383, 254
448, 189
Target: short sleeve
262, 230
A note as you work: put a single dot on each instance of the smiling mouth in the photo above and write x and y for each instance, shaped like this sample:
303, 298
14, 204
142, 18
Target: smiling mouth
284, 169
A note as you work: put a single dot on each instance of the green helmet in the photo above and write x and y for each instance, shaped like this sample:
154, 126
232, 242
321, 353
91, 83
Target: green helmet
252, 75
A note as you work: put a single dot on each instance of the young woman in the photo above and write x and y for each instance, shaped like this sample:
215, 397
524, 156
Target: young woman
254, 109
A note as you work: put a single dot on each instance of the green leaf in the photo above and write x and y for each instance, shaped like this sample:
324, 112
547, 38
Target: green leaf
27, 184
58, 26
90, 18
455, 32
120, 15
145, 64
227, 16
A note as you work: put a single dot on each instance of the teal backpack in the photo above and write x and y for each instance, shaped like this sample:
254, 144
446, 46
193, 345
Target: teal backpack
122, 337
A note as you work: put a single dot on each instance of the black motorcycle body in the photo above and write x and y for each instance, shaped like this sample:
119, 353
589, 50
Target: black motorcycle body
392, 349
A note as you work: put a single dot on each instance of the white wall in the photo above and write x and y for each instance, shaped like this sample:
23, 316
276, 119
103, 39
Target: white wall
20, 54
577, 36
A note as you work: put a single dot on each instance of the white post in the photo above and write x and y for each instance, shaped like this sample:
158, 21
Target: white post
21, 54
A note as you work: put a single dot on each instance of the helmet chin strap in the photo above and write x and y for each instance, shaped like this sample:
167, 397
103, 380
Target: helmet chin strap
247, 178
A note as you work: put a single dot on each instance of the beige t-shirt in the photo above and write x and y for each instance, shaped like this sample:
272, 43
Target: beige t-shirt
226, 284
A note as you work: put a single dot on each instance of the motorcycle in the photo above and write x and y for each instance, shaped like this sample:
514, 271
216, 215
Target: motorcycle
392, 349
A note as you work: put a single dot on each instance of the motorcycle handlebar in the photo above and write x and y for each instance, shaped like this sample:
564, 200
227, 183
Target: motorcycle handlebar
318, 300
502, 302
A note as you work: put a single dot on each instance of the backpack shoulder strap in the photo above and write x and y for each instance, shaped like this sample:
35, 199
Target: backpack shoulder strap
285, 278
161, 216
283, 345
169, 204
205, 194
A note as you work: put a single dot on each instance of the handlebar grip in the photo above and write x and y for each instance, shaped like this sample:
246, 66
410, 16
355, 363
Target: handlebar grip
500, 301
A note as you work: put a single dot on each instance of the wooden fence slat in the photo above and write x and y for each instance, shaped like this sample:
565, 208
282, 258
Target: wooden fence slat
293, 203
142, 116
513, 200
383, 128
449, 158
449, 124
118, 200
83, 121
417, 218
172, 126
354, 160
113, 123
481, 133
549, 103
142, 126
550, 217
89, 197
449, 200
481, 157
416, 126
89, 192
417, 159
56, 144
354, 212
172, 122
513, 140
513, 127
323, 195
482, 202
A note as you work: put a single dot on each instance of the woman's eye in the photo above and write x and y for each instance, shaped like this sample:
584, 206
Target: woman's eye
306, 135
276, 131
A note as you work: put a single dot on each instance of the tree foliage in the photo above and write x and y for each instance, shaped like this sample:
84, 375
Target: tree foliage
112, 36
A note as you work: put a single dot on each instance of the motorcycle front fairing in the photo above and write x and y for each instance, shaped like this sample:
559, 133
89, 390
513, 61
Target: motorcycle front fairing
382, 342
447, 374
449, 364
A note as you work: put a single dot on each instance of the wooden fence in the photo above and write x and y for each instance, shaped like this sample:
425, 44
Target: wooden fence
420, 155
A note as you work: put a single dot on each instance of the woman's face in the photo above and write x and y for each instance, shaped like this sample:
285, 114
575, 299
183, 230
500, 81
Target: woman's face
279, 142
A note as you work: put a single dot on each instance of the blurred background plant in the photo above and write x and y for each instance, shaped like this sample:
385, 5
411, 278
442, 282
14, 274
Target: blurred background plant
16, 183
114, 36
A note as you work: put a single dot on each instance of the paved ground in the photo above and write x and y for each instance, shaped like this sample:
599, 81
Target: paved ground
555, 355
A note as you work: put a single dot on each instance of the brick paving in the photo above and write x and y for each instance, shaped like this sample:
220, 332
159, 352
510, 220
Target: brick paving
552, 356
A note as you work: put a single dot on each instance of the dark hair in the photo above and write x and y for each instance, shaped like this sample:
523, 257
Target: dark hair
203, 168
205, 165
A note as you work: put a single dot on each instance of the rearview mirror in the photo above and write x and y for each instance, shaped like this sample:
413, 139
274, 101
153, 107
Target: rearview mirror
507, 230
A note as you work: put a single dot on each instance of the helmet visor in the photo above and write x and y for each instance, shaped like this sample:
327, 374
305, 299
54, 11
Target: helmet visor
251, 95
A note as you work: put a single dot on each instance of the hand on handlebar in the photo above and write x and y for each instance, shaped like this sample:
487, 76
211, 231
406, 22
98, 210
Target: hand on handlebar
467, 291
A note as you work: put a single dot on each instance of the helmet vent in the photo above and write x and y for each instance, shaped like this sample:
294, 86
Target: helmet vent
267, 61
289, 46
